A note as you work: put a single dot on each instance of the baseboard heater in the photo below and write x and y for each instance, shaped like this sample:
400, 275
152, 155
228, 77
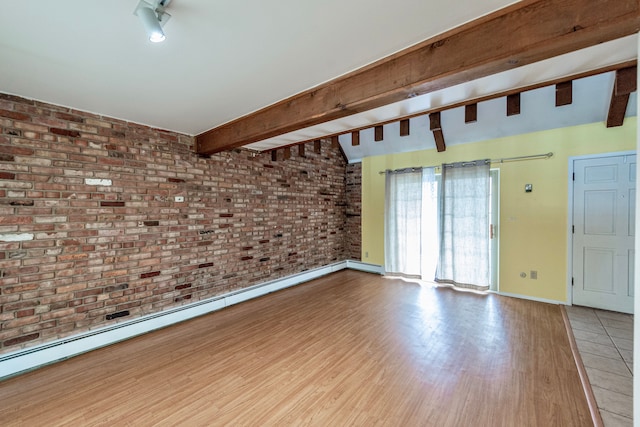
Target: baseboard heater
21, 361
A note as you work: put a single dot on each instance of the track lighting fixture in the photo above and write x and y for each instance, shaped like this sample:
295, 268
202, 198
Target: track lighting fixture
153, 16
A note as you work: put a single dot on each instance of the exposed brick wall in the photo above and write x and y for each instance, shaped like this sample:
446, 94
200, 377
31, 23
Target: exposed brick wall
91, 233
354, 211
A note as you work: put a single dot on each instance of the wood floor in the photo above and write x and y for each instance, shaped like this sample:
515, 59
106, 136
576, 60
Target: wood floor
351, 348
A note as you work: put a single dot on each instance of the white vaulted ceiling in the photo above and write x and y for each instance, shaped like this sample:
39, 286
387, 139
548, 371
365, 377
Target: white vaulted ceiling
227, 58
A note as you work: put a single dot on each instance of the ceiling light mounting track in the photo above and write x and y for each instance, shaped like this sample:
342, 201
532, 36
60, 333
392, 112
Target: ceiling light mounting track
153, 16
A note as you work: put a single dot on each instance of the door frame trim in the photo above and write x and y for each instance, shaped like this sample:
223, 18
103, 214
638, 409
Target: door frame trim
495, 246
571, 170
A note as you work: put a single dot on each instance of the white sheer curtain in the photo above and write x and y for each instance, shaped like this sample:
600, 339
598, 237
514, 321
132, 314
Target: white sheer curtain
411, 238
464, 225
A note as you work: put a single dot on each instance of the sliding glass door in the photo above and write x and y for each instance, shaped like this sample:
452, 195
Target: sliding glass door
413, 230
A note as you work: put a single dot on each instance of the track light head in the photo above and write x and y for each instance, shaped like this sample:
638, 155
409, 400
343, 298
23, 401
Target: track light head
153, 17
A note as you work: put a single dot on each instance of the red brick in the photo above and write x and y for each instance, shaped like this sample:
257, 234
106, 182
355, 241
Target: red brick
38, 327
16, 220
71, 257
7, 175
19, 288
57, 314
115, 273
69, 117
18, 151
65, 132
20, 340
87, 293
14, 115
111, 204
151, 274
19, 305
19, 322
89, 307
25, 313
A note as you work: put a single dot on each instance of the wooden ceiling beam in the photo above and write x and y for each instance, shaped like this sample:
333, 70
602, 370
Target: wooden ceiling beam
625, 83
564, 93
378, 133
577, 76
471, 102
471, 113
435, 125
404, 127
513, 104
434, 121
536, 30
438, 137
355, 138
617, 110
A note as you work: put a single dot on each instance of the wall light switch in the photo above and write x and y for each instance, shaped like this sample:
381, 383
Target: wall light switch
528, 188
179, 198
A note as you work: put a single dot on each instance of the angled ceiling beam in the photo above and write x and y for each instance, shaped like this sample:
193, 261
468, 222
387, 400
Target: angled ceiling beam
436, 127
536, 30
617, 110
626, 80
625, 83
438, 136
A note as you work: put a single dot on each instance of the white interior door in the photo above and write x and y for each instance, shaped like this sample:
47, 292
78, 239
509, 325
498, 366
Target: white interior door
604, 199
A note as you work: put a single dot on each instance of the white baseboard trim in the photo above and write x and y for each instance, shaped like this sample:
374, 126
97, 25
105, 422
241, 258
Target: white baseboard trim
363, 266
21, 361
548, 301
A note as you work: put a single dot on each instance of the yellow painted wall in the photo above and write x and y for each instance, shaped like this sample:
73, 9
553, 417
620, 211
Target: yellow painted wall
533, 226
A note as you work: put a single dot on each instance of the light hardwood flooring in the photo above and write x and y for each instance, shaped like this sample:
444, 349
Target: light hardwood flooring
605, 341
350, 348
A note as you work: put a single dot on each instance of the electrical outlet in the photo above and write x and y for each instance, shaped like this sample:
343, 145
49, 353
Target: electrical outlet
179, 199
533, 274
366, 254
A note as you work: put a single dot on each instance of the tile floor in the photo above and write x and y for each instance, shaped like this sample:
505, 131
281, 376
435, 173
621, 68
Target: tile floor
605, 342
